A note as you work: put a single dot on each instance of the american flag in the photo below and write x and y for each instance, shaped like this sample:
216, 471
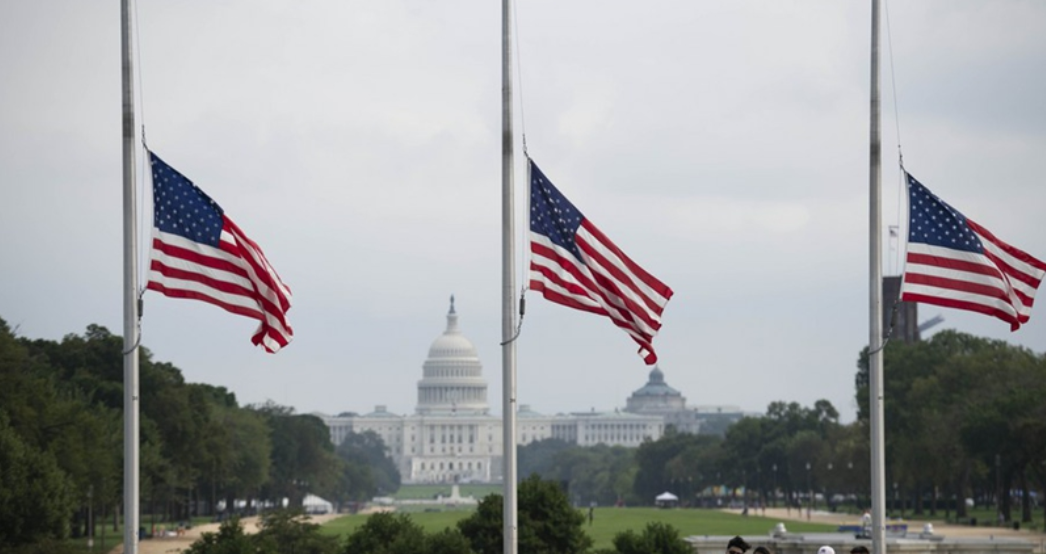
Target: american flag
573, 263
198, 252
956, 263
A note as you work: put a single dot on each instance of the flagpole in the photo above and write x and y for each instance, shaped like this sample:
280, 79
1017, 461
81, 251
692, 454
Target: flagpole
508, 288
875, 358
130, 299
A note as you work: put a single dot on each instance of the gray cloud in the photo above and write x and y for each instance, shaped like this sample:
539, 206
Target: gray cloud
723, 145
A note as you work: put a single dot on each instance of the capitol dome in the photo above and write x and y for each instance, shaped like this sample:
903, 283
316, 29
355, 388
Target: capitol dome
452, 344
452, 380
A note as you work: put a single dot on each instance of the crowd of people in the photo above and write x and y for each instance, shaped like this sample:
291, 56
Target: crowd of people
737, 545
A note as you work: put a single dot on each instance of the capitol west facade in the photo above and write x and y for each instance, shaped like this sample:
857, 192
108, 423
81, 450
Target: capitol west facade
452, 437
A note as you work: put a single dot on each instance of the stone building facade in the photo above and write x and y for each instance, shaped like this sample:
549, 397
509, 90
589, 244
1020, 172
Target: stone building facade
452, 437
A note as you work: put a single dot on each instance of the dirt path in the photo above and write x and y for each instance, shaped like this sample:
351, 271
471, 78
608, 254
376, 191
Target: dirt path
176, 544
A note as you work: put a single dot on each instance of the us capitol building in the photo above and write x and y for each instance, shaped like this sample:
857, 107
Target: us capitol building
452, 437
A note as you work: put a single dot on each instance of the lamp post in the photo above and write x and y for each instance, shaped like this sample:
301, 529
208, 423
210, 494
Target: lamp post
828, 481
809, 491
998, 489
775, 486
896, 500
90, 518
850, 483
761, 494
744, 483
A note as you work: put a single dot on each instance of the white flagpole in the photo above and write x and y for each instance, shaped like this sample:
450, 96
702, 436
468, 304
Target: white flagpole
508, 289
130, 297
875, 358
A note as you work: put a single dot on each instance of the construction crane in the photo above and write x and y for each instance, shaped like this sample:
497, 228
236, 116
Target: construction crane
930, 323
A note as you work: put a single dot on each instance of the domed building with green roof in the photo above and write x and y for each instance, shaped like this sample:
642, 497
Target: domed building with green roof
657, 398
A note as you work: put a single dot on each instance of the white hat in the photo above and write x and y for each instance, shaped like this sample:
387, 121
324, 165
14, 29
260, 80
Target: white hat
826, 550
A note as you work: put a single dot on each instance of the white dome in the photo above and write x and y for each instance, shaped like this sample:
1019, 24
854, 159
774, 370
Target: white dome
452, 344
452, 380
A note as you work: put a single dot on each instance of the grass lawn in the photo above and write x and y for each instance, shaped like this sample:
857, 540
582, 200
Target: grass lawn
104, 535
985, 516
417, 492
608, 522
431, 522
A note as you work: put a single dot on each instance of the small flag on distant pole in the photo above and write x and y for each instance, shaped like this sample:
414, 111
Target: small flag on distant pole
199, 253
956, 263
573, 263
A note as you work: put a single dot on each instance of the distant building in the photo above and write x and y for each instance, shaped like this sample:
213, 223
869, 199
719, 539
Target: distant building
658, 399
590, 428
452, 437
906, 321
615, 428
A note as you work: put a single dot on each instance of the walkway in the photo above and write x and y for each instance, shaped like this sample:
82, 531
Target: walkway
914, 526
174, 545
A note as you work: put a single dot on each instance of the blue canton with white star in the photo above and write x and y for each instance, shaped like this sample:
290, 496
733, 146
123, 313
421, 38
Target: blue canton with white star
932, 221
551, 214
181, 208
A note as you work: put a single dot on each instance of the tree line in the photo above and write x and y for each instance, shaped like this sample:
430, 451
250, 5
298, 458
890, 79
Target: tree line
759, 455
547, 523
965, 418
61, 443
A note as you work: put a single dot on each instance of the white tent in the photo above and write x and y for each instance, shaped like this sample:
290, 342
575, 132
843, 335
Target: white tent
666, 499
316, 505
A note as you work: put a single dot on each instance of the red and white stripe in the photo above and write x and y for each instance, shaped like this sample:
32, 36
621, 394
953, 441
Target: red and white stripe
605, 281
235, 276
1001, 282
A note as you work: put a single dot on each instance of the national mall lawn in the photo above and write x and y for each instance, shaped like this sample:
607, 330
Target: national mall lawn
607, 522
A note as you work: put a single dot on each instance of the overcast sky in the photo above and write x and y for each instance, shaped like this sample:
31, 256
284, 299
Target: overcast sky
723, 144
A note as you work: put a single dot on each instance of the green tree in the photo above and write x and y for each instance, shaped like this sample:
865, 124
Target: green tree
985, 392
303, 458
62, 402
601, 474
744, 441
656, 538
366, 453
243, 460
483, 528
355, 483
548, 524
282, 532
447, 541
386, 533
594, 473
45, 546
230, 539
55, 417
34, 492
290, 532
678, 458
539, 457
